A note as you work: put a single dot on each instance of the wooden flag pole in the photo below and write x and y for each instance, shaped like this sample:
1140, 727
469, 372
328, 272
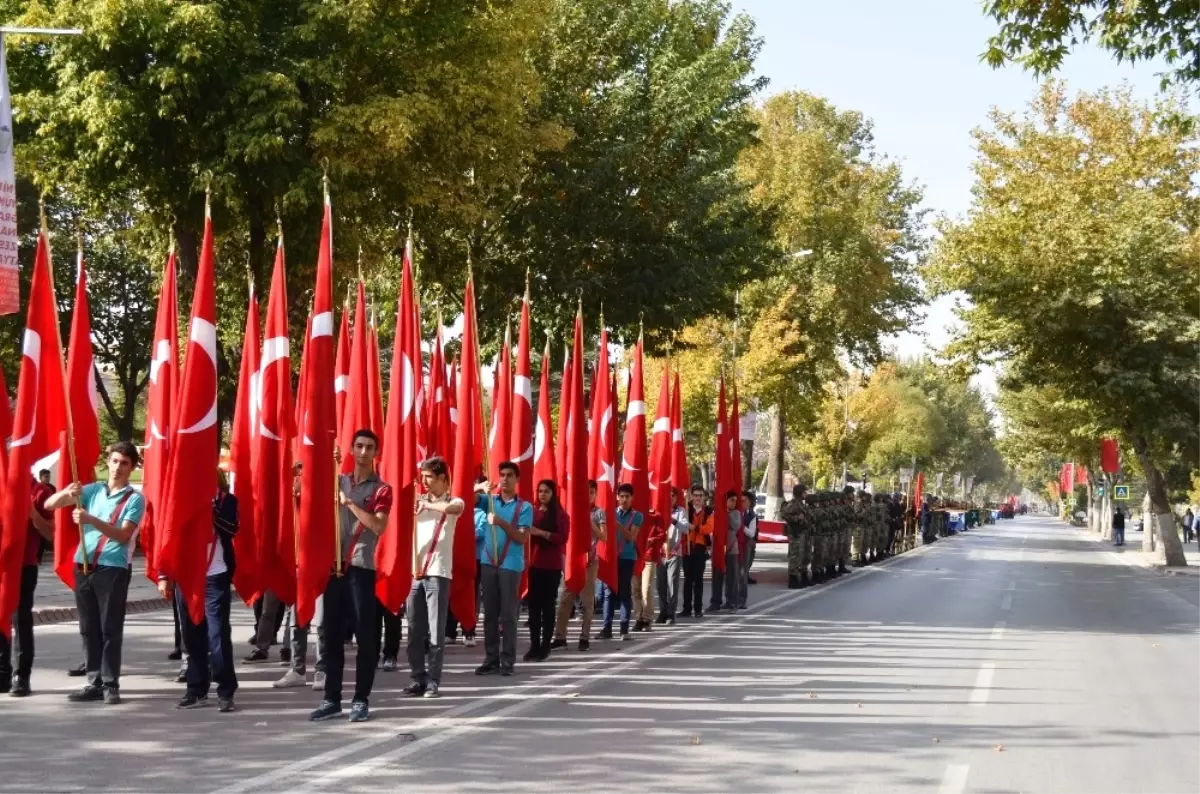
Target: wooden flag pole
337, 515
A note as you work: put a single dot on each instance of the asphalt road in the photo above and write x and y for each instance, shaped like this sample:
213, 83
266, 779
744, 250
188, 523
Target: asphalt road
1017, 658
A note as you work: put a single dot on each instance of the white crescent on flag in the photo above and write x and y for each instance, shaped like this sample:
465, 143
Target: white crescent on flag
31, 348
204, 334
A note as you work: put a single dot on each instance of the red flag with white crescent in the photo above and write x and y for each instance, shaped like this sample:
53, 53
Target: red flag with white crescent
242, 452
602, 456
681, 478
187, 527
357, 414
341, 365
520, 448
467, 452
375, 379
720, 514
160, 415
660, 453
81, 394
564, 418
38, 424
318, 432
498, 436
394, 553
633, 451
575, 498
440, 427
543, 441
275, 445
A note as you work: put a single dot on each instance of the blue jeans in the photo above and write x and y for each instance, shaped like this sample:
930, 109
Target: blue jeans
624, 594
1119, 535
209, 644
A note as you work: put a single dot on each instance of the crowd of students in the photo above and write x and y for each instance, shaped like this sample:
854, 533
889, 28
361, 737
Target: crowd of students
505, 527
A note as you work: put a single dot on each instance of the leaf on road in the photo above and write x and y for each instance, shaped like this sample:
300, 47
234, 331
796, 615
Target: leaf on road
936, 740
999, 748
812, 695
695, 740
1155, 645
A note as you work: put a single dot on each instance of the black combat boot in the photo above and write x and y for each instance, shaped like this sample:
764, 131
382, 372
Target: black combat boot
794, 582
804, 581
842, 568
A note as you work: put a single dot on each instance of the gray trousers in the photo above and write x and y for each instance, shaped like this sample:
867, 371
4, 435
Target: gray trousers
743, 580
733, 578
428, 603
501, 601
272, 606
668, 587
297, 638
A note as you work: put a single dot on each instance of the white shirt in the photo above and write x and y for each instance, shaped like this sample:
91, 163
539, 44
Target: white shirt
751, 527
441, 556
217, 565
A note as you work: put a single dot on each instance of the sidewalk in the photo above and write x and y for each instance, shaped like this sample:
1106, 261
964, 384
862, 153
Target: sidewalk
1132, 553
54, 603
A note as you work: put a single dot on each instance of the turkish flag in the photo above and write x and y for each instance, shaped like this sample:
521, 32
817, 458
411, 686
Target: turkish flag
918, 490
467, 441
720, 513
241, 460
681, 478
318, 431
375, 379
660, 454
274, 448
543, 441
501, 430
301, 391
357, 414
564, 418
341, 366
81, 393
452, 402
40, 420
520, 447
602, 458
440, 427
160, 415
394, 553
575, 499
187, 526
633, 453
735, 461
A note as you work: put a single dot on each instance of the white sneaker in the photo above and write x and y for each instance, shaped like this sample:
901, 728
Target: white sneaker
290, 678
318, 680
469, 640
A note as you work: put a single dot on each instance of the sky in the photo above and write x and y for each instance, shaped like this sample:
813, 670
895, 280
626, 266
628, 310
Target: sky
913, 68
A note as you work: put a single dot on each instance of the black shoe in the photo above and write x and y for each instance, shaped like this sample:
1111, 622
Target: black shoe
414, 690
5, 685
87, 695
175, 655
687, 613
661, 619
544, 654
804, 581
558, 642
487, 668
20, 688
75, 672
842, 569
506, 671
752, 580
225, 705
327, 710
257, 655
794, 582
605, 633
359, 711
190, 701
531, 655
111, 697
181, 678
389, 664
285, 655
584, 645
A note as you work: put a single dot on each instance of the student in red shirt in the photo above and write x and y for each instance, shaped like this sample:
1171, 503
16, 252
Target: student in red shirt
39, 529
547, 537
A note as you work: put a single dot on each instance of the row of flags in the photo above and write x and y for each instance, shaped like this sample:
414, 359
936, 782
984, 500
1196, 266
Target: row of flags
286, 543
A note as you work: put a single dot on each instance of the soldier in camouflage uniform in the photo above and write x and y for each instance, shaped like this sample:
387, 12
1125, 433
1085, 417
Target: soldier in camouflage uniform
844, 542
882, 517
798, 518
860, 532
816, 504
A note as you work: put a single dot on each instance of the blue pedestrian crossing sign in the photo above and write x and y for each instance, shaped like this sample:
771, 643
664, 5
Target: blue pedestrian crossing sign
1121, 493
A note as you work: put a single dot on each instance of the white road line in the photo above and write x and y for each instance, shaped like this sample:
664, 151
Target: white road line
983, 684
568, 678
955, 779
998, 630
1011, 586
1006, 602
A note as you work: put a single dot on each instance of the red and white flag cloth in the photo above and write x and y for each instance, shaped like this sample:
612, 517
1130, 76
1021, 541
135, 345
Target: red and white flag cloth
357, 413
38, 424
564, 417
602, 457
242, 446
187, 526
543, 441
440, 427
318, 432
468, 444
274, 439
394, 554
160, 414
498, 436
633, 452
520, 447
375, 379
720, 513
681, 478
81, 395
660, 454
341, 366
734, 470
575, 497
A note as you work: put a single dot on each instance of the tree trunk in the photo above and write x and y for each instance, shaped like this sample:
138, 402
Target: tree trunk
775, 465
1160, 508
1093, 510
1106, 507
747, 464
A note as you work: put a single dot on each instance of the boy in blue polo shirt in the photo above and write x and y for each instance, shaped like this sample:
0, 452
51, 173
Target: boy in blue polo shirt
629, 521
500, 540
108, 515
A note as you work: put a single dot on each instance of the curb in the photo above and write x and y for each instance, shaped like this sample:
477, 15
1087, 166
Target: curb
1138, 559
51, 615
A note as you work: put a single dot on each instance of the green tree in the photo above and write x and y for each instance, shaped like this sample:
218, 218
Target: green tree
1078, 255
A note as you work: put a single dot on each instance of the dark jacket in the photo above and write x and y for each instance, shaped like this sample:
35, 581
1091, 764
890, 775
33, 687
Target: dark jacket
225, 523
